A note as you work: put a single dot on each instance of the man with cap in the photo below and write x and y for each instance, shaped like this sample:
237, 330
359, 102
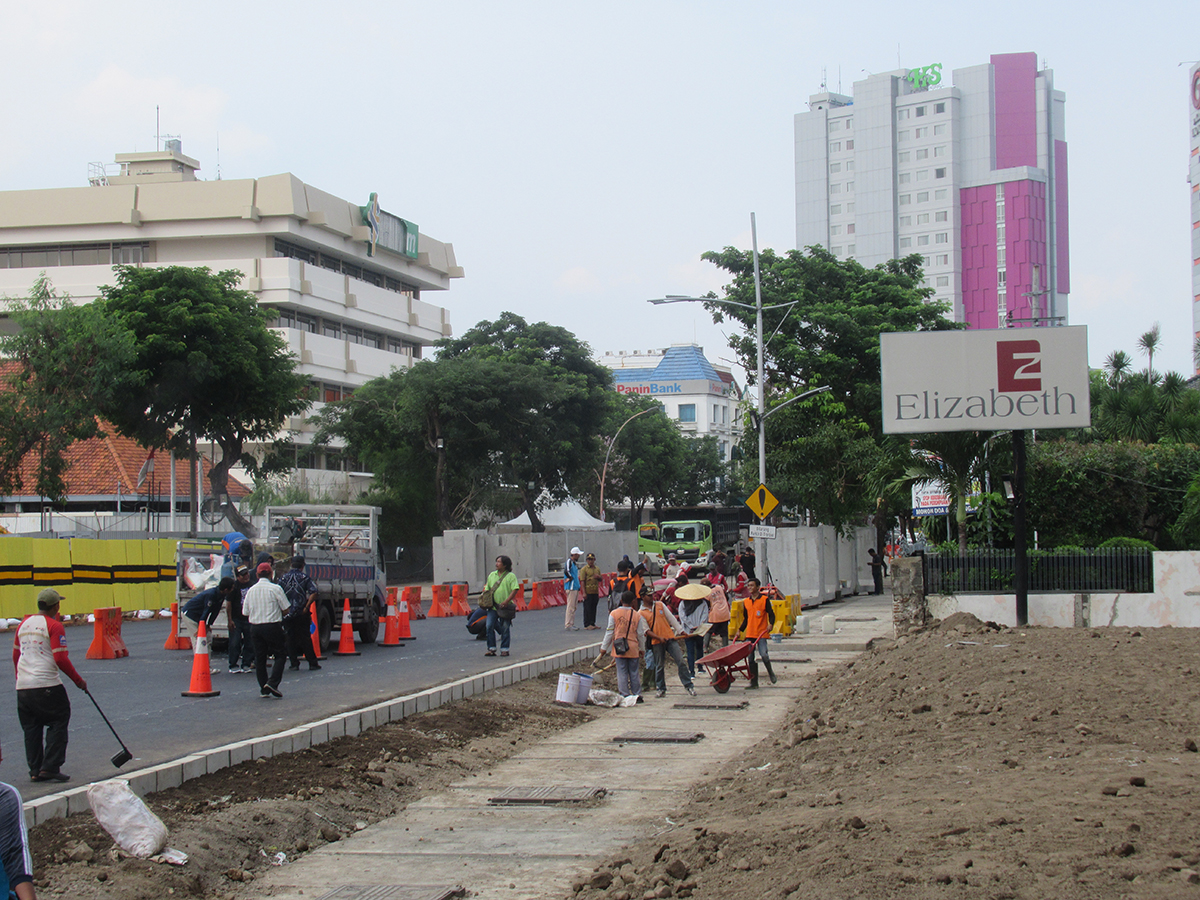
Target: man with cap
206, 606
39, 654
571, 586
264, 607
589, 579
240, 646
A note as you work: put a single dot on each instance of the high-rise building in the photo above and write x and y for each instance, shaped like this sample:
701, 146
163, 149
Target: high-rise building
971, 175
1194, 181
348, 283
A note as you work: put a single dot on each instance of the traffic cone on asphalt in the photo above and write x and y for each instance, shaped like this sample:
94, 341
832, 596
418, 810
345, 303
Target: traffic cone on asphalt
346, 643
403, 629
315, 633
176, 641
201, 685
391, 630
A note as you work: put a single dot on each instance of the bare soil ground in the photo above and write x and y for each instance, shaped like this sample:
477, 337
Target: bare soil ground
960, 761
963, 761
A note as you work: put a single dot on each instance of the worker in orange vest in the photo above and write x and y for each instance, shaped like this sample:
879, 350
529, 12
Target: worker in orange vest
756, 626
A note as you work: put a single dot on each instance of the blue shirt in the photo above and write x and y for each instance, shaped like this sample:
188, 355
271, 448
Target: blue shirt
570, 576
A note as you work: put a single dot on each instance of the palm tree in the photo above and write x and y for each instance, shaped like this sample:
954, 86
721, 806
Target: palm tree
1117, 364
1196, 353
1148, 343
956, 460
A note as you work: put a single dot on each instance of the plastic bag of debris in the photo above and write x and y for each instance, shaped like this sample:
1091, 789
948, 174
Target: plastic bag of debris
126, 818
598, 697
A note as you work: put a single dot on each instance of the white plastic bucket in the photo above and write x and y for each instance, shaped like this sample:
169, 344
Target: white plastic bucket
829, 624
585, 687
802, 625
568, 689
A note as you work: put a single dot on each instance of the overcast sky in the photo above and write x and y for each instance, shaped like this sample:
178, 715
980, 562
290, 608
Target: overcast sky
581, 157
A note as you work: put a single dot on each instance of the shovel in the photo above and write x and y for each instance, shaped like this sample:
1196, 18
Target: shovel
123, 756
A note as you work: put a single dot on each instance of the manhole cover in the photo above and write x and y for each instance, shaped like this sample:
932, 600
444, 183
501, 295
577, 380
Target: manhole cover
541, 796
857, 619
714, 705
393, 892
659, 737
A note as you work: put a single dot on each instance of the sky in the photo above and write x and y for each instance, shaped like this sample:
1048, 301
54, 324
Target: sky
581, 157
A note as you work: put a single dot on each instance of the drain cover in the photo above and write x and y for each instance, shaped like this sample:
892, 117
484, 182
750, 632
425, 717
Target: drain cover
543, 796
659, 737
857, 619
714, 705
394, 892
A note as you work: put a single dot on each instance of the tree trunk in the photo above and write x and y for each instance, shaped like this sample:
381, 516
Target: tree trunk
441, 495
535, 522
960, 510
218, 480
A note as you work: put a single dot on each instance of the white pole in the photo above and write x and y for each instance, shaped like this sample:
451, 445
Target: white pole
758, 333
172, 525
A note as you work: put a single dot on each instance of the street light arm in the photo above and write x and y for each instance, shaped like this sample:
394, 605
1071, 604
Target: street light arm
613, 443
788, 402
674, 298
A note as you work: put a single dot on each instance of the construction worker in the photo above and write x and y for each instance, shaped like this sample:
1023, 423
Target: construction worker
756, 626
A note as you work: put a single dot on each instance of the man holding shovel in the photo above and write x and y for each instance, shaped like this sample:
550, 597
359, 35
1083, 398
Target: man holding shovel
39, 654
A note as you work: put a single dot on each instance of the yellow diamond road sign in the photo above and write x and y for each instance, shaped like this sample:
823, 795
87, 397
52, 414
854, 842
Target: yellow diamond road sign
762, 502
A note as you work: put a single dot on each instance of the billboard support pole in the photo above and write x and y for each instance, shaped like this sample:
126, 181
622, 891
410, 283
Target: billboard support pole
1020, 542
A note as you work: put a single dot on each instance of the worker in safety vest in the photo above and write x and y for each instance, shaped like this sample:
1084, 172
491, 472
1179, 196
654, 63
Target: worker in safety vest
756, 626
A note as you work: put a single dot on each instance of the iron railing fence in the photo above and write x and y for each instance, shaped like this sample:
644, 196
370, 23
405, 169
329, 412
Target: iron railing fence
1111, 570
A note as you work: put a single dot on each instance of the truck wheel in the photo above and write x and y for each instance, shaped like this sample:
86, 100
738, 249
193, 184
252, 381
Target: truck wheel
368, 629
324, 626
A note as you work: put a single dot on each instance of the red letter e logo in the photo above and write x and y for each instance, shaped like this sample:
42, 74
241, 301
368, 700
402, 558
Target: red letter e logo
1018, 366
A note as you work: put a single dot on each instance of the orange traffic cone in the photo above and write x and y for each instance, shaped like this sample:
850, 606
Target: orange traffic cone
459, 607
175, 641
315, 631
391, 630
403, 631
201, 685
346, 643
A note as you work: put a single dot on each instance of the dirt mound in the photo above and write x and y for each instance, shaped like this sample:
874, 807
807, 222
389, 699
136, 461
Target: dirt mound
1018, 764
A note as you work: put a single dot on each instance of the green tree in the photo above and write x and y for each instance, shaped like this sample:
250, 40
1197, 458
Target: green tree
64, 363
956, 460
1148, 343
821, 452
205, 366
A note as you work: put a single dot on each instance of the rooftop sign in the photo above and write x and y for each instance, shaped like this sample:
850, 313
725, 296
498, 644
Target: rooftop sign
924, 78
985, 380
388, 231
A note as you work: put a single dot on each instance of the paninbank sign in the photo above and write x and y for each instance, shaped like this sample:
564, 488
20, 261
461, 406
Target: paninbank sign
985, 380
657, 387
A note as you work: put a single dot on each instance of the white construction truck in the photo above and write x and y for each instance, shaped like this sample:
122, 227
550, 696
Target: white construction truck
341, 550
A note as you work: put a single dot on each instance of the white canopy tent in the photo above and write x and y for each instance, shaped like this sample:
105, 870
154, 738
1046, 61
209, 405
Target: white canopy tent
567, 516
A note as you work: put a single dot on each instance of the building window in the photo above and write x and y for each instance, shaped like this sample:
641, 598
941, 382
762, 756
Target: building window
849, 165
939, 107
849, 186
943, 237
687, 412
1001, 255
849, 122
939, 172
922, 240
902, 114
903, 156
923, 197
849, 145
923, 153
920, 111
1002, 277
836, 209
905, 199
331, 329
939, 129
923, 219
905, 242
903, 178
835, 147
850, 228
939, 151
331, 393
939, 194
921, 132
836, 251
849, 207
942, 216
923, 175
835, 189
942, 260
905, 220
850, 249
835, 124
835, 167
943, 281
903, 136
835, 229
716, 414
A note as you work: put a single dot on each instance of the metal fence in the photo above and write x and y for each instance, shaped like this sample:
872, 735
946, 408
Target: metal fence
1115, 570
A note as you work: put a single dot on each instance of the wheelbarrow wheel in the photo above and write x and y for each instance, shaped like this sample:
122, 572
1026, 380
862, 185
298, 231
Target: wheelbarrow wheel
721, 681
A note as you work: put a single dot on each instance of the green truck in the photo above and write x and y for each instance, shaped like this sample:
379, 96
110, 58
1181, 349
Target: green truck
691, 541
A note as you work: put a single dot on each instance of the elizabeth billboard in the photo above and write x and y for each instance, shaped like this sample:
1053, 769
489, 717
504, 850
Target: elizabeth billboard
985, 380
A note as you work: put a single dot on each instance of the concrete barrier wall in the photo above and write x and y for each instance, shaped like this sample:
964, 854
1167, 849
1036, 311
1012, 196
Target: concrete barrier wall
1175, 602
470, 555
813, 562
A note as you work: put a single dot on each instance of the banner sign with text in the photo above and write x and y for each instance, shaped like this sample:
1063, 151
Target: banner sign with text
1003, 379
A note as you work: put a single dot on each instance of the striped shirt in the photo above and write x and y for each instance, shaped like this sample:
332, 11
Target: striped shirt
265, 602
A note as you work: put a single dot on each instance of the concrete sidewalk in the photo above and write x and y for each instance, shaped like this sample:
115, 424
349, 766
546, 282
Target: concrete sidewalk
458, 838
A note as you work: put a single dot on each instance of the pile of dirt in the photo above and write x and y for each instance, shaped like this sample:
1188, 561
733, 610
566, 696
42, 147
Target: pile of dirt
236, 822
965, 760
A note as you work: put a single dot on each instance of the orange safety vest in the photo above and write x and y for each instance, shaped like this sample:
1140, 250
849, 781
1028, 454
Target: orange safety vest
625, 626
656, 623
758, 623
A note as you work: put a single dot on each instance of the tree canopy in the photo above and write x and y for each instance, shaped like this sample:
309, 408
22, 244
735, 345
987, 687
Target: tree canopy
205, 365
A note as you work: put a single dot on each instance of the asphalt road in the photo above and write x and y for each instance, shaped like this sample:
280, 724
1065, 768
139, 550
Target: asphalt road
140, 693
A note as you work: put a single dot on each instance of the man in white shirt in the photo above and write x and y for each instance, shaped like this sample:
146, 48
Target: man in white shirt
264, 606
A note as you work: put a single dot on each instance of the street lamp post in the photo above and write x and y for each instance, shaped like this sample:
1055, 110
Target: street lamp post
613, 443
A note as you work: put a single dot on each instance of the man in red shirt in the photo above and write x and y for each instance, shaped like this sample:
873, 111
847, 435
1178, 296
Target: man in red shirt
39, 653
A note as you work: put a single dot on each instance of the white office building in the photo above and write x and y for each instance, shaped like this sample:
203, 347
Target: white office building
970, 174
349, 282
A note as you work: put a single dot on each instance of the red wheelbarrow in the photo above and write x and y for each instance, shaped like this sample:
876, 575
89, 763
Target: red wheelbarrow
723, 663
